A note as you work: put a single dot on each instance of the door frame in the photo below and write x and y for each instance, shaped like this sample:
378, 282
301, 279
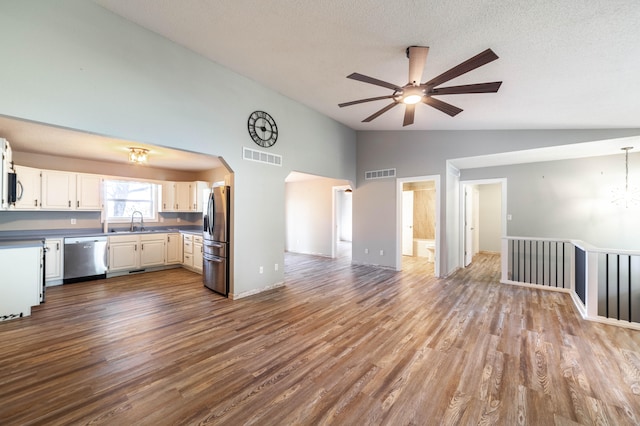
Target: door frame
399, 183
503, 208
334, 218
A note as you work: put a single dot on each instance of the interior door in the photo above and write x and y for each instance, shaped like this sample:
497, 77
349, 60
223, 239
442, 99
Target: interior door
407, 223
468, 226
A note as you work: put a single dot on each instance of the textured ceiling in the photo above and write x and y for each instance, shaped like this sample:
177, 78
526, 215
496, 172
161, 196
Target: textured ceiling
564, 64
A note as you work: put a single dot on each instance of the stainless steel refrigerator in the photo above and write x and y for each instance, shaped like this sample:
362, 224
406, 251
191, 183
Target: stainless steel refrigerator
215, 268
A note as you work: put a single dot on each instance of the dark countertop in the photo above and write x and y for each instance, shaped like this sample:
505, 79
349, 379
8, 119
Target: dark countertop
26, 242
41, 234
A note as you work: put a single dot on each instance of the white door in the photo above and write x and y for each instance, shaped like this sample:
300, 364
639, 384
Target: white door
407, 223
468, 225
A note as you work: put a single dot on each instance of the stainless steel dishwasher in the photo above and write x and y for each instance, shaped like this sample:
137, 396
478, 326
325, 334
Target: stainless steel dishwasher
85, 258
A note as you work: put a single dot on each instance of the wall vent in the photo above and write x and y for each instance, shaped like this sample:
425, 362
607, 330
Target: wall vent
261, 156
380, 174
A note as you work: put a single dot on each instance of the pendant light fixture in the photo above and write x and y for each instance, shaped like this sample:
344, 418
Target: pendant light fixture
626, 196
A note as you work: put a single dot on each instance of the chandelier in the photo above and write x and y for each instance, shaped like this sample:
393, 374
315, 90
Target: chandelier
626, 196
138, 155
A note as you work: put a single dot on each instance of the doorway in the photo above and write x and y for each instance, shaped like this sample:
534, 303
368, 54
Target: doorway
483, 217
418, 224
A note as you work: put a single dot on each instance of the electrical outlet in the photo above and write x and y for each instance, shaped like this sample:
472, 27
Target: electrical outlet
261, 269
366, 251
178, 220
381, 252
276, 267
73, 221
509, 217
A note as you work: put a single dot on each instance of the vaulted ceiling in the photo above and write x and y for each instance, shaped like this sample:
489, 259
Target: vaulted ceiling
564, 64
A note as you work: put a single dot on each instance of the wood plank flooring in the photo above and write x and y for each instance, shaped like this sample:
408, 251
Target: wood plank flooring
339, 344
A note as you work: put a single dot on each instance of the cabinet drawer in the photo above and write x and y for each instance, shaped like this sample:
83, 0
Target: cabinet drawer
188, 247
188, 259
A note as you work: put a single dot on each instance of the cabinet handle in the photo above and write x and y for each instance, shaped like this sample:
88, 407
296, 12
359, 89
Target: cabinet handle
69, 203
135, 247
58, 246
36, 203
77, 204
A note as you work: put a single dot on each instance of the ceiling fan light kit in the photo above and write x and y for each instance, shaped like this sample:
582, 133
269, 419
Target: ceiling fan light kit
415, 92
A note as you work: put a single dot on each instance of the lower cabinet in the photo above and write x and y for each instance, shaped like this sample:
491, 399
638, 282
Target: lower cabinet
192, 252
21, 282
53, 271
136, 251
152, 250
123, 253
173, 246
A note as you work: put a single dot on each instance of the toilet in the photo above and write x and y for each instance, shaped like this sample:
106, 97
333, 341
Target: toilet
424, 248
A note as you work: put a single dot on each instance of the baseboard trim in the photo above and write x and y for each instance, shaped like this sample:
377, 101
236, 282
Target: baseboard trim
235, 296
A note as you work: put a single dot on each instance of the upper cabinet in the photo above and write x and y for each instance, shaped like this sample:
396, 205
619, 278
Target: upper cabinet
183, 196
89, 192
55, 190
28, 189
58, 190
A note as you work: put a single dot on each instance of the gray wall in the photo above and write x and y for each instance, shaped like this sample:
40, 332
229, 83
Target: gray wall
74, 64
425, 153
570, 199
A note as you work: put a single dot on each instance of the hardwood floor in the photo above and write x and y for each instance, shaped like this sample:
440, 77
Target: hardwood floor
339, 344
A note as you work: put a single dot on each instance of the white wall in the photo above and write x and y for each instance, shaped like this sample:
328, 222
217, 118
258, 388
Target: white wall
345, 216
490, 211
74, 64
309, 216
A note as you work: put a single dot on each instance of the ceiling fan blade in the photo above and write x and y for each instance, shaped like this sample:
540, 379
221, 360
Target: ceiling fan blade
344, 104
468, 88
442, 106
417, 59
409, 112
468, 65
371, 80
379, 113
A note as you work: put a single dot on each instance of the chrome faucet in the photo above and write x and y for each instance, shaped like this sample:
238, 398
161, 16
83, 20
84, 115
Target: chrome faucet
141, 221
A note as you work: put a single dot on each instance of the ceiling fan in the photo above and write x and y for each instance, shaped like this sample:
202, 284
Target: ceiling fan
414, 92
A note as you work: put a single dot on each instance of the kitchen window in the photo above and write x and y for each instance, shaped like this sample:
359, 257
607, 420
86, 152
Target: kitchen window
123, 197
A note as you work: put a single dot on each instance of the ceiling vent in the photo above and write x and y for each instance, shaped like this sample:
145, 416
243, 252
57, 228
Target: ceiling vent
380, 174
261, 157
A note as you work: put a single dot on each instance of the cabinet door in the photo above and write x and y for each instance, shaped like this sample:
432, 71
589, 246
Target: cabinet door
123, 256
28, 190
58, 190
200, 192
89, 192
168, 196
53, 267
197, 256
151, 253
183, 196
173, 249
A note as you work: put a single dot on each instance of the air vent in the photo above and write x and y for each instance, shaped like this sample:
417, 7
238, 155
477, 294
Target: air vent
261, 157
380, 174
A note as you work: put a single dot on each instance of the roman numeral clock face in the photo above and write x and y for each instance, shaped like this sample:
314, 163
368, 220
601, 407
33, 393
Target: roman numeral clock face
262, 128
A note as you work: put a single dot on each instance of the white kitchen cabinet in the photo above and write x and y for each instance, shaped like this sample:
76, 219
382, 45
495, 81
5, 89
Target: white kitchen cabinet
123, 253
58, 190
54, 261
21, 283
199, 193
187, 249
168, 196
89, 191
173, 249
197, 253
28, 189
183, 196
152, 250
6, 166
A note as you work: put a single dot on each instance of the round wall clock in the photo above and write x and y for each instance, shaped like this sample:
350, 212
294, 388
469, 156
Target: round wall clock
262, 128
